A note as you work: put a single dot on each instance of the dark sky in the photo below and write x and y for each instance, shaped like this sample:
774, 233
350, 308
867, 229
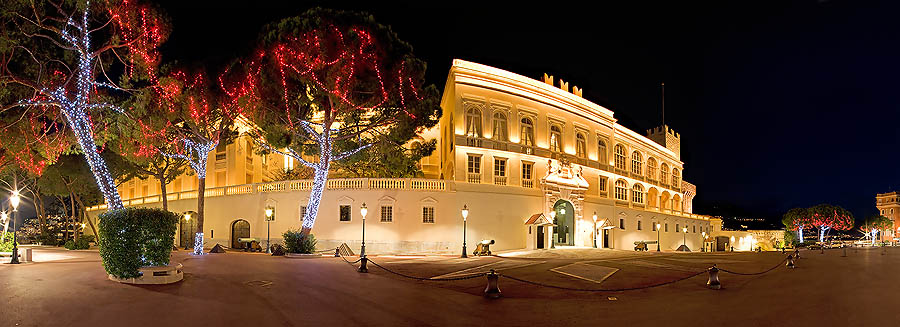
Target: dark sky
779, 104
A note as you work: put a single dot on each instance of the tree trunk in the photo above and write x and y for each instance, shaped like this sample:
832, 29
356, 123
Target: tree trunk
312, 207
800, 232
162, 191
74, 212
201, 189
88, 218
105, 182
65, 210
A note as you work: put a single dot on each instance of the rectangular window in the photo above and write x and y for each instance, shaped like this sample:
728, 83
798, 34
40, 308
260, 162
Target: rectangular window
527, 174
302, 212
500, 171
653, 226
621, 223
428, 215
695, 228
602, 183
639, 225
677, 229
473, 166
667, 227
387, 214
249, 179
345, 213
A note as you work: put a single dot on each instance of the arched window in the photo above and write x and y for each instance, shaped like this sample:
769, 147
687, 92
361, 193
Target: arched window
637, 193
637, 163
601, 152
527, 132
555, 138
651, 168
620, 157
580, 145
664, 173
500, 132
473, 123
676, 178
621, 190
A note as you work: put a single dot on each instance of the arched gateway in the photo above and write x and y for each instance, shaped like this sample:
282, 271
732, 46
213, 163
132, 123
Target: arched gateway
564, 189
239, 229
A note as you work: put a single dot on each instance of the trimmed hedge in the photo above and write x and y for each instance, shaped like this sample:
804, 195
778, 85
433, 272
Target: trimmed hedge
82, 242
132, 238
7, 244
295, 243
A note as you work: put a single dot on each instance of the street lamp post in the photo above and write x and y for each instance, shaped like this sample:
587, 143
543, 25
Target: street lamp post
363, 211
465, 214
270, 216
187, 218
14, 201
658, 226
684, 237
703, 240
595, 230
732, 243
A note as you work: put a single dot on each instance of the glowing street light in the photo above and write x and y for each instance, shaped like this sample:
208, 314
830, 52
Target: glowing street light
553, 239
658, 226
732, 243
595, 230
703, 239
363, 211
684, 237
14, 202
270, 216
465, 214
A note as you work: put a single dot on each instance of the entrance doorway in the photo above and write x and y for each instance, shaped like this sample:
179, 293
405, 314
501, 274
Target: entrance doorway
565, 222
540, 237
188, 226
606, 238
239, 228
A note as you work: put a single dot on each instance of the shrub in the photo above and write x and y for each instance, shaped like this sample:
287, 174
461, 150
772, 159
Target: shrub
7, 244
132, 238
82, 242
48, 238
295, 243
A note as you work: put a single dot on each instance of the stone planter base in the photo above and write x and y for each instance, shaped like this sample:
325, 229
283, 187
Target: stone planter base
155, 276
302, 256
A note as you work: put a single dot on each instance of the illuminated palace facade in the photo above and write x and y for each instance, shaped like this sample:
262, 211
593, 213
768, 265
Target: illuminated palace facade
537, 165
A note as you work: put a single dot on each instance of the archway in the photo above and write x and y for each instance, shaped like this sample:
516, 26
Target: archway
653, 198
239, 229
188, 226
565, 222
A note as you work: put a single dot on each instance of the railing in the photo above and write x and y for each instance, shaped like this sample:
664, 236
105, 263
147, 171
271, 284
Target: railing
296, 185
527, 183
499, 180
473, 178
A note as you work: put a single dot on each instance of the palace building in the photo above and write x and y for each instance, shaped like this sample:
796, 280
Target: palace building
537, 166
888, 205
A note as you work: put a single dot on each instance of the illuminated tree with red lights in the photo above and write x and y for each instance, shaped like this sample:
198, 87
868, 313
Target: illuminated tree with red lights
876, 224
52, 55
825, 217
191, 122
329, 84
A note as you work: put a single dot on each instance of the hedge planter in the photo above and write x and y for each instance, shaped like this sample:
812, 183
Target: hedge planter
133, 238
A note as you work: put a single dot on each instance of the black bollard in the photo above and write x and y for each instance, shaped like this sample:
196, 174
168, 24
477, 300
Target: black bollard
713, 282
362, 265
492, 291
822, 249
845, 251
790, 262
337, 252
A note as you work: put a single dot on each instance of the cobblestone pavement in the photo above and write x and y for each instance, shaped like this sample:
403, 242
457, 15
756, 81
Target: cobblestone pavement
70, 288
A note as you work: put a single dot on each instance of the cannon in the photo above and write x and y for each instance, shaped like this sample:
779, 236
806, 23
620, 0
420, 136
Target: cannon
483, 248
642, 245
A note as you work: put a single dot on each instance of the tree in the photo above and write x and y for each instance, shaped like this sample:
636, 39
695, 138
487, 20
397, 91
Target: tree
198, 121
825, 217
331, 84
875, 224
50, 63
796, 219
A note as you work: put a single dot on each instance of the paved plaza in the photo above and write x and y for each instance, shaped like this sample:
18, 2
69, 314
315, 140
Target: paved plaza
70, 288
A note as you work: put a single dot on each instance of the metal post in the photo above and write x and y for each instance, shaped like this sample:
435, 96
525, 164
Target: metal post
713, 282
268, 236
362, 250
657, 237
845, 251
15, 250
493, 288
464, 255
362, 265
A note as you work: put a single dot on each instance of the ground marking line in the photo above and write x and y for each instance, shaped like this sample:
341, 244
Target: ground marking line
584, 278
462, 272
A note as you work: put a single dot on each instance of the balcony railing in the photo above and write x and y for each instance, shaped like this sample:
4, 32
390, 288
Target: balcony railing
296, 185
473, 177
527, 183
499, 180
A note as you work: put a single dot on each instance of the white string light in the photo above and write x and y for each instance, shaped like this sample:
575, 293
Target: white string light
76, 109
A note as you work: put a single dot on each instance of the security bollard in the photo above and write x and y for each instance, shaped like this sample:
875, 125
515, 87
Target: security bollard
362, 265
790, 262
845, 251
337, 252
713, 282
492, 290
822, 249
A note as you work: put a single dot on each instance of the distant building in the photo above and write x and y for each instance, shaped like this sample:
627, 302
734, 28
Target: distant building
536, 164
888, 205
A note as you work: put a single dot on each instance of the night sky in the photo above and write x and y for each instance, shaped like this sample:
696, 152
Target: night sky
779, 104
